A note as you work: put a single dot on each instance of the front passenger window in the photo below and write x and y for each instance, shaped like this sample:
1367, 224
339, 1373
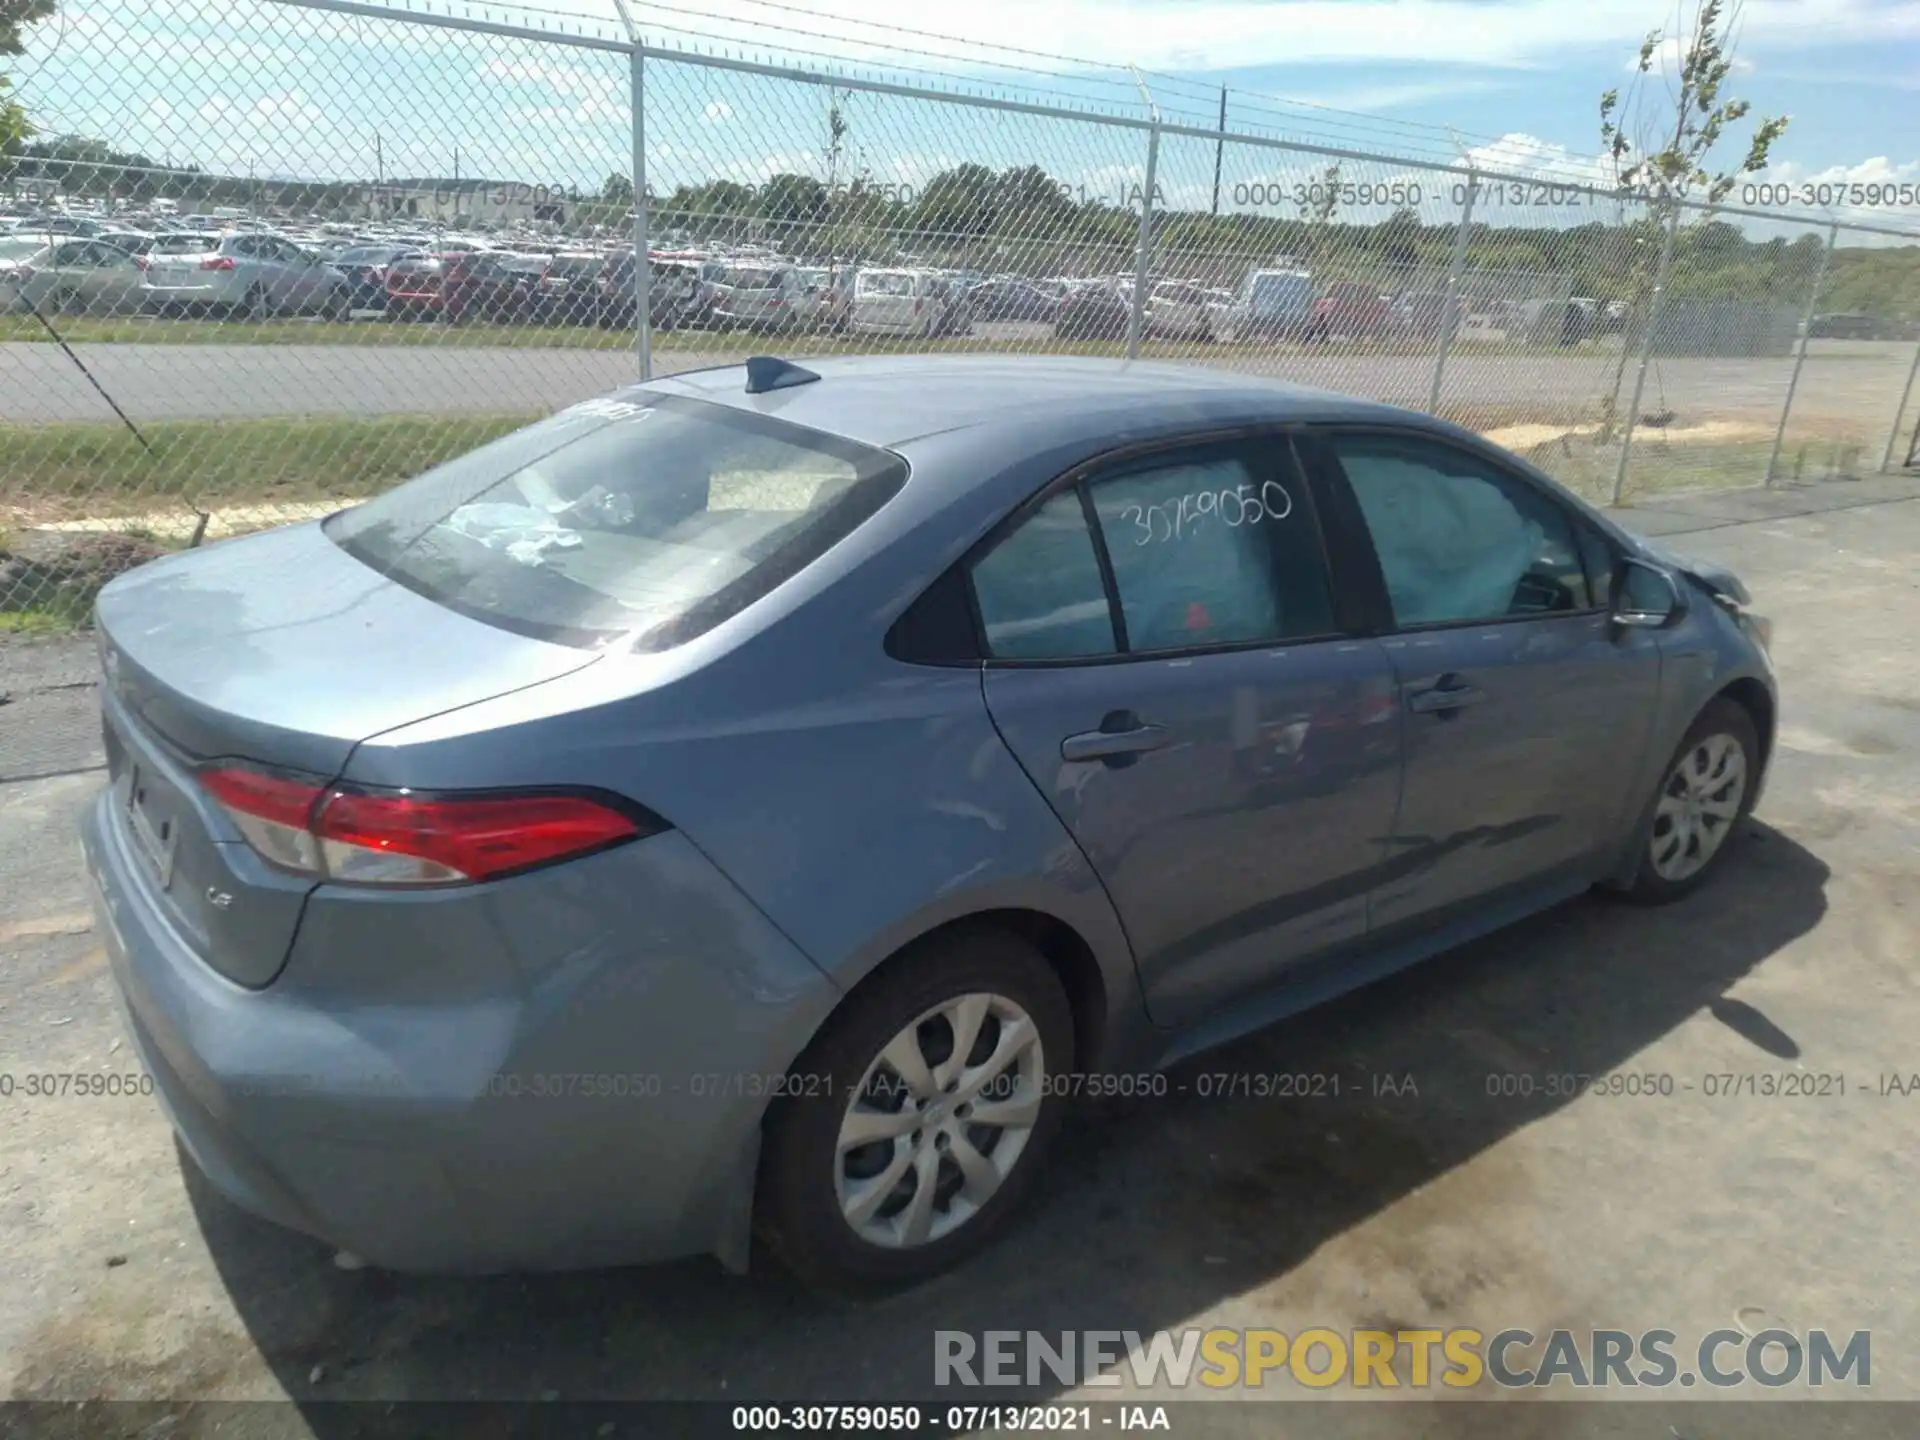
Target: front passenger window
1457, 539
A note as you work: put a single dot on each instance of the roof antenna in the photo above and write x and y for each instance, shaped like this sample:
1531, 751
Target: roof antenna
770, 372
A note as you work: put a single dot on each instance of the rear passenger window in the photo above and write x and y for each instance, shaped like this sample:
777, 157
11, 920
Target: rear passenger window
1207, 551
1039, 591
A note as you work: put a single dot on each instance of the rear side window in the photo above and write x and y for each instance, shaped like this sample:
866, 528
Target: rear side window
1207, 552
1039, 591
656, 518
1205, 548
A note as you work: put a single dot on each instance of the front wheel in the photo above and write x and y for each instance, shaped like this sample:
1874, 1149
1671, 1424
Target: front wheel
927, 1109
1705, 795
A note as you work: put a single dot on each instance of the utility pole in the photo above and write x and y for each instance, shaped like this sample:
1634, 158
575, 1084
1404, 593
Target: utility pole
1219, 149
456, 184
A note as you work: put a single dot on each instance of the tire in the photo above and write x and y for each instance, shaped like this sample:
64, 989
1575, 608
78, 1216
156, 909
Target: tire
1721, 730
807, 1184
337, 306
253, 305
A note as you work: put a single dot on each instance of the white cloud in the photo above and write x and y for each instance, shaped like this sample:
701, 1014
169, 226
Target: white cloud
718, 112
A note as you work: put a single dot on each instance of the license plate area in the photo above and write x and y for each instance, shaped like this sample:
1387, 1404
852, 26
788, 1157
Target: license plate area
156, 839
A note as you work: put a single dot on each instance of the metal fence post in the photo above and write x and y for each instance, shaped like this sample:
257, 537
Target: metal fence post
1646, 351
1448, 321
1899, 411
642, 260
1800, 353
1143, 256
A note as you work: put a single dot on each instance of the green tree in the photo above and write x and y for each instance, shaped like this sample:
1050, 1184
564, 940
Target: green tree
960, 201
617, 189
15, 17
793, 199
1660, 141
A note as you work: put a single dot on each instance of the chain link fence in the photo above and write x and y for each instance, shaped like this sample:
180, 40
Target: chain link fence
269, 257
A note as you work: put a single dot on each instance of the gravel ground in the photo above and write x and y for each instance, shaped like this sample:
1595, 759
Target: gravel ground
125, 1279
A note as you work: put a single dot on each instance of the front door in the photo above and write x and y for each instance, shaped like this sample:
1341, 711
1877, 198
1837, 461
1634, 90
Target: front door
1525, 709
1166, 666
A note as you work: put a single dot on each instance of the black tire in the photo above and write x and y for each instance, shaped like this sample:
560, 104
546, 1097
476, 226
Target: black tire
1720, 717
797, 1211
253, 305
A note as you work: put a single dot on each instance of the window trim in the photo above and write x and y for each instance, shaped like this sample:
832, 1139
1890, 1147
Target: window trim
1319, 437
1086, 474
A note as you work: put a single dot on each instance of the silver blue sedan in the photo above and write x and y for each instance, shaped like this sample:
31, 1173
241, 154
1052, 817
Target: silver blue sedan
753, 804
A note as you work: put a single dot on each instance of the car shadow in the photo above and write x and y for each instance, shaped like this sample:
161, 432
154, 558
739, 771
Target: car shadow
1154, 1208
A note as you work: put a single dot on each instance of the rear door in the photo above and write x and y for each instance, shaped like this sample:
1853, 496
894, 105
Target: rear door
1167, 665
1526, 709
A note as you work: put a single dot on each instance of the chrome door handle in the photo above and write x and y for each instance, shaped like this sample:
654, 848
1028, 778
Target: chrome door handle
1442, 698
1105, 744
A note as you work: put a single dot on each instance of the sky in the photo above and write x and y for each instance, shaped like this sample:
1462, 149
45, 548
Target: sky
1507, 84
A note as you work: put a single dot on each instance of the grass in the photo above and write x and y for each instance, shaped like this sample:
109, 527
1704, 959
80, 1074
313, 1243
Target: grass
56, 472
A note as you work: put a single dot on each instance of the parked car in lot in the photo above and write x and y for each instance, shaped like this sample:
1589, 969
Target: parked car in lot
680, 294
764, 298
366, 266
85, 277
908, 302
908, 735
1351, 310
1274, 305
242, 272
1178, 310
1013, 300
493, 285
1097, 311
565, 290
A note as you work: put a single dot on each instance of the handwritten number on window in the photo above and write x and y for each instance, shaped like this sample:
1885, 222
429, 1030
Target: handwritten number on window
1240, 505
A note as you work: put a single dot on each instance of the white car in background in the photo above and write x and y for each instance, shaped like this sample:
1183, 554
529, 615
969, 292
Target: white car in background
1179, 310
244, 272
765, 295
908, 302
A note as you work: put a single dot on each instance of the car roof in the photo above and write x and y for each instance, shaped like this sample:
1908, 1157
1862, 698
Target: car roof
891, 400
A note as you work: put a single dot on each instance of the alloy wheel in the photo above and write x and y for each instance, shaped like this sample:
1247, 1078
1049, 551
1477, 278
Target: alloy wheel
1698, 806
939, 1121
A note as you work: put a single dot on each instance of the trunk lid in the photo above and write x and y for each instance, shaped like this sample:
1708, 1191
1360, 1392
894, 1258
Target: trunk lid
283, 650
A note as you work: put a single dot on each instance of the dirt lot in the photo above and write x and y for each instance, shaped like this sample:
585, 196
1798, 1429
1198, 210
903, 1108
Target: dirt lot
1450, 1206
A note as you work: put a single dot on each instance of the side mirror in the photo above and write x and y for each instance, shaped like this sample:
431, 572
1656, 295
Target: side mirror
1646, 597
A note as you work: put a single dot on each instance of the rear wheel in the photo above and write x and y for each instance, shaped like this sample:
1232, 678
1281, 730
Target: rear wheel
926, 1113
253, 305
1705, 794
337, 306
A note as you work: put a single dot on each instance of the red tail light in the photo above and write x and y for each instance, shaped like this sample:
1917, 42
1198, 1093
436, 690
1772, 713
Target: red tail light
403, 837
218, 262
918, 306
142, 261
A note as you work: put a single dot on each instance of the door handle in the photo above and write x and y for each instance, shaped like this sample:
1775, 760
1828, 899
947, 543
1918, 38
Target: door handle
1442, 698
1106, 744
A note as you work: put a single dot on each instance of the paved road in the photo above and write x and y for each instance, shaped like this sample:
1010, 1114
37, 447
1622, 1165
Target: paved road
1852, 381
125, 1278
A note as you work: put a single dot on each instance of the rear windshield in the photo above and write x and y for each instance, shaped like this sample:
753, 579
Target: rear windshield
185, 244
655, 518
369, 255
575, 265
879, 283
750, 279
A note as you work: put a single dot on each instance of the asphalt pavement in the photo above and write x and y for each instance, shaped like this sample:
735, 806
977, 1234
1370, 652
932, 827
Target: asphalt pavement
1856, 382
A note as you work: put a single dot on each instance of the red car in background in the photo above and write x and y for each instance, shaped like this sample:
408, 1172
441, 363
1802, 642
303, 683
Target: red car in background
463, 285
1352, 311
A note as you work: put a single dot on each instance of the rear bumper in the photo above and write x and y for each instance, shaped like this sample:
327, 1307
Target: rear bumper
557, 1071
